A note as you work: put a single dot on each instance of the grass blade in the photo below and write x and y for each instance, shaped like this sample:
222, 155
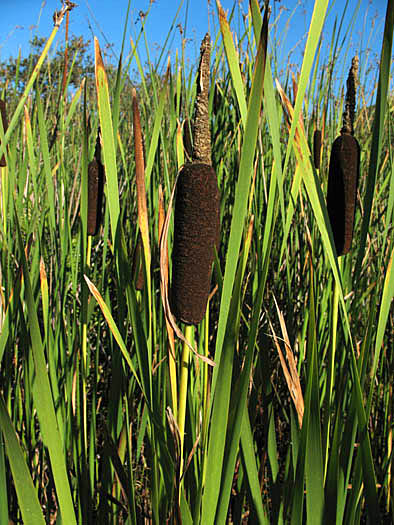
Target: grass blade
108, 143
27, 496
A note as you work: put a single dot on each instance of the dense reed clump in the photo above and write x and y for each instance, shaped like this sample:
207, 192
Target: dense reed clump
95, 190
344, 172
277, 407
5, 125
317, 148
197, 220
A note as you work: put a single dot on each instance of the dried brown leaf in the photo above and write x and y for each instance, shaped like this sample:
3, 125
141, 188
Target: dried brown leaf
143, 221
291, 373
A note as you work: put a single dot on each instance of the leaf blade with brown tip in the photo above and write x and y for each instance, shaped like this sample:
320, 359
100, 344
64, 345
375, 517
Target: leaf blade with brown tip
108, 144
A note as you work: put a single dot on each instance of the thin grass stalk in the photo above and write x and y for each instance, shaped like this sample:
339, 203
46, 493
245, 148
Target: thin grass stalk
3, 483
170, 331
4, 196
86, 199
390, 486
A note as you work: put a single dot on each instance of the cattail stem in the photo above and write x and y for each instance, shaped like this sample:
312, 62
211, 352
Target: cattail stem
88, 251
189, 335
390, 489
331, 370
85, 358
4, 196
205, 422
3, 166
172, 369
84, 389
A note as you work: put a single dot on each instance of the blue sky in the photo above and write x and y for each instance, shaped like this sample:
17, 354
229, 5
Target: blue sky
21, 19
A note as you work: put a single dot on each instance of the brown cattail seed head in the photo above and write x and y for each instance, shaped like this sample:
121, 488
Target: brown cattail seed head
5, 126
316, 148
187, 138
95, 195
138, 267
96, 177
342, 189
196, 232
344, 172
217, 99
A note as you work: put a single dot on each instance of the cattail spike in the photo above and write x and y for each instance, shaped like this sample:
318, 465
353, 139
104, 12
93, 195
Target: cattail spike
317, 148
5, 126
202, 130
96, 177
350, 103
344, 172
197, 213
187, 139
97, 149
342, 189
138, 267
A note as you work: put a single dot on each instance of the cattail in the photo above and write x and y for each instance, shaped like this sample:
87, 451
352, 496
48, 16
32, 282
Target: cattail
95, 190
217, 99
316, 148
344, 172
138, 266
5, 126
342, 189
187, 138
196, 229
197, 219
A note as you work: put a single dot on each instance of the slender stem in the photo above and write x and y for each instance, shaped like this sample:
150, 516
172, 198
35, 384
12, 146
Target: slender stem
331, 367
206, 396
84, 356
89, 251
204, 426
172, 370
4, 196
389, 448
189, 334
